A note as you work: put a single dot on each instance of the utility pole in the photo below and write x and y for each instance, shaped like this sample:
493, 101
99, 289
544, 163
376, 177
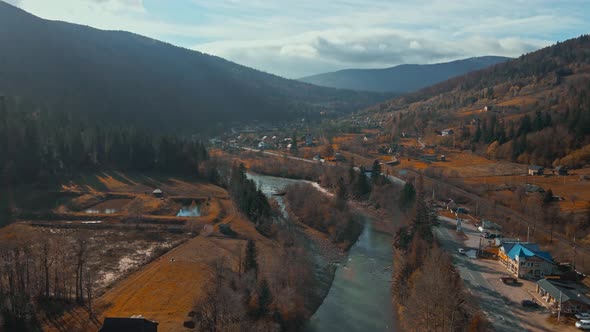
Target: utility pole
479, 249
528, 231
559, 308
574, 260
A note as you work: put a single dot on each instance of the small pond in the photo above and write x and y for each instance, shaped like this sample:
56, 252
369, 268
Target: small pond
192, 210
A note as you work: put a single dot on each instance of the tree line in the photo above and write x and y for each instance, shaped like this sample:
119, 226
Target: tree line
37, 144
250, 199
427, 290
47, 275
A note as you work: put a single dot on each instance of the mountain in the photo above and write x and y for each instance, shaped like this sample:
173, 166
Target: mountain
402, 78
532, 110
126, 77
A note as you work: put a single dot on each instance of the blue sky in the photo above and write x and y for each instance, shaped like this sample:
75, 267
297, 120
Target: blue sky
304, 37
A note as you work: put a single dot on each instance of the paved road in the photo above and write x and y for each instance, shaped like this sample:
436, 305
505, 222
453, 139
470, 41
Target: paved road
491, 302
274, 154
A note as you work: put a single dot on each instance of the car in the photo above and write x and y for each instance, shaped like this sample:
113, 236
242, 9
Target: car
583, 324
508, 279
485, 235
462, 251
529, 304
583, 316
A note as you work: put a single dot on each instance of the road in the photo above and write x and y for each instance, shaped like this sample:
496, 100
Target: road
274, 154
497, 311
501, 303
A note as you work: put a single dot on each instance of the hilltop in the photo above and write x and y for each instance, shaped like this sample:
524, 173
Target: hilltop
530, 110
402, 78
126, 77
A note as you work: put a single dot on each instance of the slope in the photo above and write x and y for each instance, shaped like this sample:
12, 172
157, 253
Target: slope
402, 78
126, 77
531, 110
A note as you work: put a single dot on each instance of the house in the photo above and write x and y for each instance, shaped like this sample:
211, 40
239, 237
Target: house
339, 157
443, 157
158, 193
535, 170
449, 204
554, 291
131, 324
560, 170
526, 260
446, 132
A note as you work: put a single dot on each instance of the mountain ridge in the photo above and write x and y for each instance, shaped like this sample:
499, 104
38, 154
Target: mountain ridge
402, 78
130, 77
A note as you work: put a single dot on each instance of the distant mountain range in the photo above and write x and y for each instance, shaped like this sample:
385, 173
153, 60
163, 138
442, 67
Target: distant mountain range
402, 78
126, 77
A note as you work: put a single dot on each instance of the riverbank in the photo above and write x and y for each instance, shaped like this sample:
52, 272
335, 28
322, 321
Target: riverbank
345, 278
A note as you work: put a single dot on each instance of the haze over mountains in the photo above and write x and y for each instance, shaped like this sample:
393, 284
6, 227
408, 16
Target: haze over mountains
402, 78
126, 77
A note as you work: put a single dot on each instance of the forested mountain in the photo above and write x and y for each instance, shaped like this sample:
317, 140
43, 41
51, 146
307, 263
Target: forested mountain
36, 146
533, 110
126, 77
402, 78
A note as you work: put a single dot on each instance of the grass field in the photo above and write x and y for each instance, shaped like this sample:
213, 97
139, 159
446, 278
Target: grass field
167, 288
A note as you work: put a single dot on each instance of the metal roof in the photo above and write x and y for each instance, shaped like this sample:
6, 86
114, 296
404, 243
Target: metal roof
567, 292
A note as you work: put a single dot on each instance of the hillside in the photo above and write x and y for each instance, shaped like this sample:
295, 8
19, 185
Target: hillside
402, 78
530, 110
126, 77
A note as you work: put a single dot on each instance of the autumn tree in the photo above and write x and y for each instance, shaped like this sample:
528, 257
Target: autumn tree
250, 261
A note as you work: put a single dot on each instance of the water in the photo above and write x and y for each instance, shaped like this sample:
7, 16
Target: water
360, 295
271, 185
192, 210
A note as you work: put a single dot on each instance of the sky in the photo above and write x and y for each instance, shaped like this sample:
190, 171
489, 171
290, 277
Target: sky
296, 38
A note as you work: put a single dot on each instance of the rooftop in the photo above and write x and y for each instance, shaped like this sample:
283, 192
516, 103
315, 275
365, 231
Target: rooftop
518, 249
567, 291
131, 324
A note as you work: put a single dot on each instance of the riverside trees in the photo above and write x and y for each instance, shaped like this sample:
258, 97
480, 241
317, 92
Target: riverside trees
426, 288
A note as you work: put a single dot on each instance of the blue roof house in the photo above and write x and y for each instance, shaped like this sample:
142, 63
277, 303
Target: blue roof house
526, 260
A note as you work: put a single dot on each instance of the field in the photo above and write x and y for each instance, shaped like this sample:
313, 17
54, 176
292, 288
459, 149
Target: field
124, 227
145, 260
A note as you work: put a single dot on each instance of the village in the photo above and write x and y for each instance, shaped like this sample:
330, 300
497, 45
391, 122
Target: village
537, 286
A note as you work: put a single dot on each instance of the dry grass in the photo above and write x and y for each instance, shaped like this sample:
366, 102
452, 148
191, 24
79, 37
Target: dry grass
167, 289
519, 101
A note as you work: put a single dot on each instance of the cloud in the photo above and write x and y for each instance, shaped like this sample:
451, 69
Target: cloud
14, 2
299, 38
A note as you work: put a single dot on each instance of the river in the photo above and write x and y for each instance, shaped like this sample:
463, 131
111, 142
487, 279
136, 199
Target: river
359, 298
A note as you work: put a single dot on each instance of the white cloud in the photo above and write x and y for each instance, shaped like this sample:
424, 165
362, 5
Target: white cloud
298, 38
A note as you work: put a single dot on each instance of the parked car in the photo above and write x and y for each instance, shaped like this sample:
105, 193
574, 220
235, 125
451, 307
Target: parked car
583, 316
529, 304
508, 279
462, 251
583, 324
